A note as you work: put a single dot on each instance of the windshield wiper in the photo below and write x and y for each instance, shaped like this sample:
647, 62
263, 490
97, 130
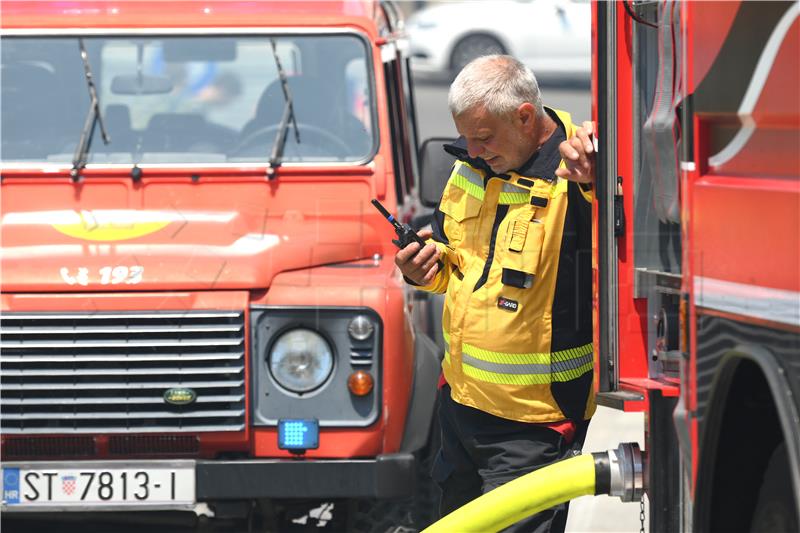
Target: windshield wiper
92, 118
288, 114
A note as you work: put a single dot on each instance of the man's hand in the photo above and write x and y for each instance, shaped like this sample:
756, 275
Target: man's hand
419, 267
578, 154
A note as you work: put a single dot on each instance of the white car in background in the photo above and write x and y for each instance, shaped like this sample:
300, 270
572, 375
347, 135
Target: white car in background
553, 37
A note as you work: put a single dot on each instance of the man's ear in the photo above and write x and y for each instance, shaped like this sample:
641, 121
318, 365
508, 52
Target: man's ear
526, 114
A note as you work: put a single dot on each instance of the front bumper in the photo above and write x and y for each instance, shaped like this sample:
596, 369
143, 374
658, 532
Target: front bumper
385, 477
389, 476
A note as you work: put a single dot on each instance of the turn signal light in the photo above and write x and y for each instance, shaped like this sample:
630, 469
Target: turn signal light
360, 383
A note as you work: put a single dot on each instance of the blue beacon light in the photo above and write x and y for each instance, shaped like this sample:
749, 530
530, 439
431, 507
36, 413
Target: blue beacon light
298, 435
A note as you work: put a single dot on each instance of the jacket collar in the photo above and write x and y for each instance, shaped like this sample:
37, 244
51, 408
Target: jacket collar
542, 164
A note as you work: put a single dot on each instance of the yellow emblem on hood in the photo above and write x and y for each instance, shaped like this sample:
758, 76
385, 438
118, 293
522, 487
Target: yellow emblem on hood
112, 225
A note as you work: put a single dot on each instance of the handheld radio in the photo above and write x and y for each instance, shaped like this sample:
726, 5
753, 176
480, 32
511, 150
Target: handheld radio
405, 233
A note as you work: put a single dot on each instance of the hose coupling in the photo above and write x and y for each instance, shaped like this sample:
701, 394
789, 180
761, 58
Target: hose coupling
620, 472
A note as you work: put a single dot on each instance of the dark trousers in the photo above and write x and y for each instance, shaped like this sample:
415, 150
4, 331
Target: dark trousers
480, 452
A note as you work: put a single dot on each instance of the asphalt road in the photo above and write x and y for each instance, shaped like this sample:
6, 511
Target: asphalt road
609, 427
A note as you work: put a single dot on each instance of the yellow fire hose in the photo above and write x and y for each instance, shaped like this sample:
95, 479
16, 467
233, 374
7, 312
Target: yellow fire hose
614, 472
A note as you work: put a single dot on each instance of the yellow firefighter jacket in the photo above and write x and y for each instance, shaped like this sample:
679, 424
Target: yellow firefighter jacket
517, 320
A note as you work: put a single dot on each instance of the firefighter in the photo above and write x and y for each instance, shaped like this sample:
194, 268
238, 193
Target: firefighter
512, 239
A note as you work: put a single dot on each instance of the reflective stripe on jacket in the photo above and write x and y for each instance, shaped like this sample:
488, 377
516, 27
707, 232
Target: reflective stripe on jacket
503, 238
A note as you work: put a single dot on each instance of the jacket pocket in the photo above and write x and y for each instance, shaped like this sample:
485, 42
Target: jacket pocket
522, 253
458, 207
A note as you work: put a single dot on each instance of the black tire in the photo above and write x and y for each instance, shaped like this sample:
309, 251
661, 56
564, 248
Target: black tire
775, 508
471, 47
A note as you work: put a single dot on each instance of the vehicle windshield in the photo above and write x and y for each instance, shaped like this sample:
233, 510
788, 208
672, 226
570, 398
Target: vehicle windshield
187, 100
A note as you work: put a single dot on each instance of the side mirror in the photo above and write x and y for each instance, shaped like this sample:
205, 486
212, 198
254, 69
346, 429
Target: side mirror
435, 165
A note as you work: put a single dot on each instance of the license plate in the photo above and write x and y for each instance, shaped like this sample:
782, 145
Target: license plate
151, 485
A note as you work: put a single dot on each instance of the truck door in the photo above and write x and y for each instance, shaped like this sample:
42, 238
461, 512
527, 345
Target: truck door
639, 284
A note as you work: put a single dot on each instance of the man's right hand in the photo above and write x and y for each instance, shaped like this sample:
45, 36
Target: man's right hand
420, 266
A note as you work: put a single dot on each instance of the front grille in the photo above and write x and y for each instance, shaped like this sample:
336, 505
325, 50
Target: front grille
153, 444
22, 447
108, 372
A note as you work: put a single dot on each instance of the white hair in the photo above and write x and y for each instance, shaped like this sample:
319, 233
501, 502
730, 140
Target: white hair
499, 83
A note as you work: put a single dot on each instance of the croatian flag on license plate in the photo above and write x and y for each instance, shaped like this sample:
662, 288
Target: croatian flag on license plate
68, 485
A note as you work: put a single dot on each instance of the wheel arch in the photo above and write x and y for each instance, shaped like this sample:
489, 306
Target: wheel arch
751, 402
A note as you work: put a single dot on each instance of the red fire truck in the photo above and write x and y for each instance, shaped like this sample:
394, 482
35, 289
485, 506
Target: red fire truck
698, 253
696, 268
200, 308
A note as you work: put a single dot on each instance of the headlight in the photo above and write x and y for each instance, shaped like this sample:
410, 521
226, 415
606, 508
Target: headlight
360, 328
301, 360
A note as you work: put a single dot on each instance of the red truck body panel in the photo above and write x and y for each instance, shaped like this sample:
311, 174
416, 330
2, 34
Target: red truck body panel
708, 294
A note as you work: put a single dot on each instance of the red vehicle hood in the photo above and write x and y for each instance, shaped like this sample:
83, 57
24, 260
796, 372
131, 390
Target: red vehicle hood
194, 244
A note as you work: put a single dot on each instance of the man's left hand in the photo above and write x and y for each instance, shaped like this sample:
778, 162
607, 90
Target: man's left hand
578, 155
